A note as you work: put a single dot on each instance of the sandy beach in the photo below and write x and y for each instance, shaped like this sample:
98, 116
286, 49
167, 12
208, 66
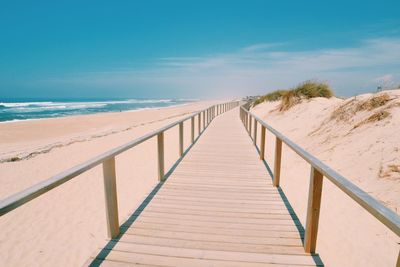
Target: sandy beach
365, 152
66, 225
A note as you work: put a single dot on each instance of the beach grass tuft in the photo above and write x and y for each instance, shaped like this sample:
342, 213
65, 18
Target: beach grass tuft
377, 116
373, 102
306, 90
289, 98
273, 96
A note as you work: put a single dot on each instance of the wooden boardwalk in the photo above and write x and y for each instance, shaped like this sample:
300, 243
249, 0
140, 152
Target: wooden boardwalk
217, 208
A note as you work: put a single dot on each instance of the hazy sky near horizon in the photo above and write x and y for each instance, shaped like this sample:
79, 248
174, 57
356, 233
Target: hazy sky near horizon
195, 49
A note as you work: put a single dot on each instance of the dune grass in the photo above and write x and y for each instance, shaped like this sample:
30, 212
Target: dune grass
289, 98
377, 116
348, 110
273, 96
373, 102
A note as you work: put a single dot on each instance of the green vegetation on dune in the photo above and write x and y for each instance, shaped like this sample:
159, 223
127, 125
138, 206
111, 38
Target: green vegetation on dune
273, 96
289, 98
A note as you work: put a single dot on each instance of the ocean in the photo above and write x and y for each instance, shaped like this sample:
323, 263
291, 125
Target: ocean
15, 110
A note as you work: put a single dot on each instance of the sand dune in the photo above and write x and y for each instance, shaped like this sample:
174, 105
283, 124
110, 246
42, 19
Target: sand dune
359, 138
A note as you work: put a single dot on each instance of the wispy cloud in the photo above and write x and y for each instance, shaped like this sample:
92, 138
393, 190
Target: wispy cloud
256, 69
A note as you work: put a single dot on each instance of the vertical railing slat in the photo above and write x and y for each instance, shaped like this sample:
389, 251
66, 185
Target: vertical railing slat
314, 204
250, 119
110, 192
192, 129
204, 120
262, 145
255, 132
277, 165
181, 139
160, 148
199, 124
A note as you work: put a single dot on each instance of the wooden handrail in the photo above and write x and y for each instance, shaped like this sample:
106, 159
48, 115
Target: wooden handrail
318, 169
108, 160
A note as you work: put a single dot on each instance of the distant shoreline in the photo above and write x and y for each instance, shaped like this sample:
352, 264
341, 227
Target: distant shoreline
133, 109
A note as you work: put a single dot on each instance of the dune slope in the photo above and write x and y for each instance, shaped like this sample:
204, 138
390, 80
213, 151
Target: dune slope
359, 138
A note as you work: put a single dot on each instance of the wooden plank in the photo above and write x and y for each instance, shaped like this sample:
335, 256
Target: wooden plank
205, 218
252, 240
224, 213
221, 231
218, 224
240, 209
314, 204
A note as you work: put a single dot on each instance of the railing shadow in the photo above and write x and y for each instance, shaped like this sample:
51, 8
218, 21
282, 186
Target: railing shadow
105, 251
317, 259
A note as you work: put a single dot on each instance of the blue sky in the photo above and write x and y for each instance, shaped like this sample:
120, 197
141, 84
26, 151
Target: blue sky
119, 49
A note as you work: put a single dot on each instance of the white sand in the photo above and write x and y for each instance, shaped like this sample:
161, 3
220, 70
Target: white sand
366, 155
66, 225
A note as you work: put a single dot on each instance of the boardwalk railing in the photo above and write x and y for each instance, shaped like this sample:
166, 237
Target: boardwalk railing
108, 160
318, 171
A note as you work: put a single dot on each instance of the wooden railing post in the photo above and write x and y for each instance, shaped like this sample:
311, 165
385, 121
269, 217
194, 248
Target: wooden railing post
110, 191
262, 145
181, 139
192, 128
204, 120
160, 148
314, 204
255, 132
250, 125
277, 165
199, 124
